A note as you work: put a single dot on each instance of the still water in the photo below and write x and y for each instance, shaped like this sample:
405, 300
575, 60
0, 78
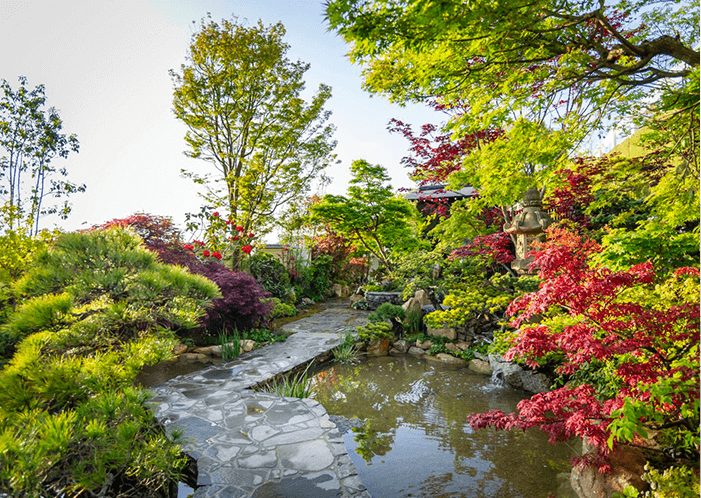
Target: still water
416, 442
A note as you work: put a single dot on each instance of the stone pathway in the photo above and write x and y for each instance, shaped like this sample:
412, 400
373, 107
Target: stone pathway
251, 444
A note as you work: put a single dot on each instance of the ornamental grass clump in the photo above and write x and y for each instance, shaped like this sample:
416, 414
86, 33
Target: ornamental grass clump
347, 352
97, 308
297, 386
230, 345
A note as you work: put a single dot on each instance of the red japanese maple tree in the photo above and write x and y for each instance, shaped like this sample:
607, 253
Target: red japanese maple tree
626, 343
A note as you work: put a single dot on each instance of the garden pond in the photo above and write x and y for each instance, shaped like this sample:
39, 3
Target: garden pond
415, 441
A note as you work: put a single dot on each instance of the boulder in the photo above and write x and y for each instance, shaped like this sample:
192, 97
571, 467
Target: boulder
627, 467
195, 357
247, 345
401, 346
535, 382
464, 346
451, 346
356, 298
449, 358
378, 347
208, 350
308, 302
416, 351
412, 306
422, 297
341, 290
423, 345
179, 349
480, 367
509, 372
448, 332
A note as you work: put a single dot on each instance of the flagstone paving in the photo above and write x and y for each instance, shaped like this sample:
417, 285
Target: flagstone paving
259, 445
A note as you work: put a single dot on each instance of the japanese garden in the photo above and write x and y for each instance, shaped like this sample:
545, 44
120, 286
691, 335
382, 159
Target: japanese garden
527, 305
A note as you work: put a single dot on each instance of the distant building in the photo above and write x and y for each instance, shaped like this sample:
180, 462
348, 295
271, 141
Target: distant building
437, 191
430, 197
274, 249
302, 254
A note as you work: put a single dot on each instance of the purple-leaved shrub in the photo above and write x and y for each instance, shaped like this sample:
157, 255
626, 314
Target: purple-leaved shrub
244, 304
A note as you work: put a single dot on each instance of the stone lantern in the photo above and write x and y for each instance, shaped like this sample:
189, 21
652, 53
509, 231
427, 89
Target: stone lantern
528, 226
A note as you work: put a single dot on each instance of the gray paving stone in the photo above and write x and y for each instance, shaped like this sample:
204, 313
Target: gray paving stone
252, 444
266, 459
295, 437
308, 456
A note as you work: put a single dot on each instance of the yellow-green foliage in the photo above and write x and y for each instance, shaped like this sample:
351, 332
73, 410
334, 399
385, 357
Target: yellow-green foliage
492, 296
42, 312
376, 330
674, 482
16, 255
105, 287
16, 250
98, 309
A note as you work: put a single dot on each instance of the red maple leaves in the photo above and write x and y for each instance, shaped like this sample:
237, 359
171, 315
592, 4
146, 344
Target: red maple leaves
584, 316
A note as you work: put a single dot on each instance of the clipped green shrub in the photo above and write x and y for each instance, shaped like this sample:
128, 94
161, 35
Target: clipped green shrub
375, 330
392, 312
281, 310
98, 308
480, 297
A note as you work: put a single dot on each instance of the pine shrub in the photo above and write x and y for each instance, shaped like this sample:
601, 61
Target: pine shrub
97, 308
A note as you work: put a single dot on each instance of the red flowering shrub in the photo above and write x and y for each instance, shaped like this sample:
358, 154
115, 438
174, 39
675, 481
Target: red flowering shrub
627, 344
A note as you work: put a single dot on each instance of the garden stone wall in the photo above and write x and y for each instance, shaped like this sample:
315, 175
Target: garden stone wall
375, 299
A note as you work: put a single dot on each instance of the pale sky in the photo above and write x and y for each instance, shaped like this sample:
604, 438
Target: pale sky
105, 67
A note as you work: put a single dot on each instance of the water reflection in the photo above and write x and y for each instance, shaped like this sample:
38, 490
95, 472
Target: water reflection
416, 441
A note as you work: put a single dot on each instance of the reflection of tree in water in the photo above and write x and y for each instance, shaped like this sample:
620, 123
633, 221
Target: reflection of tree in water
371, 443
434, 399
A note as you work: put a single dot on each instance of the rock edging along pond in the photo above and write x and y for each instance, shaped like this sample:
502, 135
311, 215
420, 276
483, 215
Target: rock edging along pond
493, 364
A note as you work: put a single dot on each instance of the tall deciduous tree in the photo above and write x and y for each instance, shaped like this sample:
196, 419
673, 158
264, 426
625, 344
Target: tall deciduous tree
240, 98
31, 137
370, 215
548, 73
568, 64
